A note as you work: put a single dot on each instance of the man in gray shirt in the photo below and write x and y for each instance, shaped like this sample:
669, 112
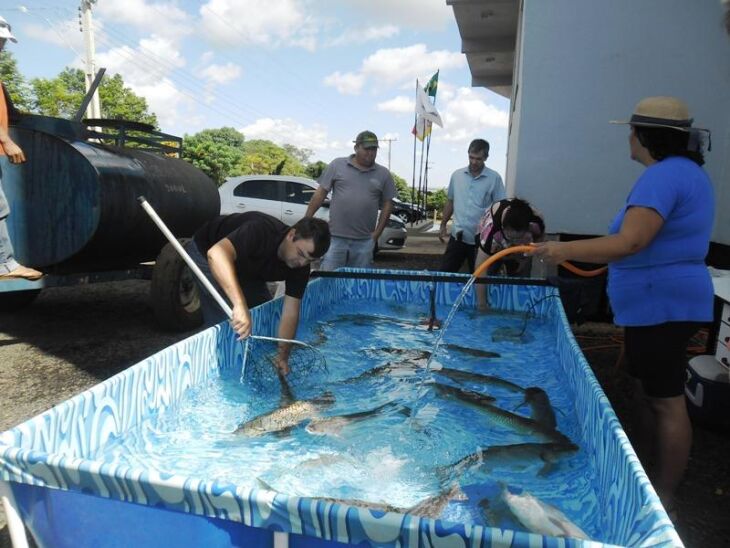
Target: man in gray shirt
359, 188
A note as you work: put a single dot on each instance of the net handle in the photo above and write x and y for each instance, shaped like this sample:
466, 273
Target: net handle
199, 273
529, 249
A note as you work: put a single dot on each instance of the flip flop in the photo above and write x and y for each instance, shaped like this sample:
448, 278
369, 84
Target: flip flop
22, 273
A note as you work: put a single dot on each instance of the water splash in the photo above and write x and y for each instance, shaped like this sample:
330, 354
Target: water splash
450, 317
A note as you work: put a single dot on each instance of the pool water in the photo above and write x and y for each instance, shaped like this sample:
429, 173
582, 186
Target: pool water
405, 452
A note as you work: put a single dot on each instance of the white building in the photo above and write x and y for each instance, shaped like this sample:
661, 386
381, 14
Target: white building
570, 66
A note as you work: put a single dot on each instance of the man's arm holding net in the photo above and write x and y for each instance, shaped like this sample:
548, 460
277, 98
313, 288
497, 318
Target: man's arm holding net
287, 330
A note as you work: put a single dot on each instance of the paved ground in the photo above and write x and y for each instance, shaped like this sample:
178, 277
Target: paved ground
72, 338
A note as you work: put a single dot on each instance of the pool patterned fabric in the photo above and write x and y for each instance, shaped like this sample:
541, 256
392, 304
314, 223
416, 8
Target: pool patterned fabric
52, 449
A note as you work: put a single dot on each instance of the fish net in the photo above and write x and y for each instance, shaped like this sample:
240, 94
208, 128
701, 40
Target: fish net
307, 364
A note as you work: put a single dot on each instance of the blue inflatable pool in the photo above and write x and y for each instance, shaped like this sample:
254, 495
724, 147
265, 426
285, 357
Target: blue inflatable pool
52, 485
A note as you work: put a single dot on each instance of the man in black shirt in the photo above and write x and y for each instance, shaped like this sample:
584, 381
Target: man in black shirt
246, 250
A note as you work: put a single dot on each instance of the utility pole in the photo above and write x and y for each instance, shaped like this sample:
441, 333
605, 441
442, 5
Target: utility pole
86, 25
388, 141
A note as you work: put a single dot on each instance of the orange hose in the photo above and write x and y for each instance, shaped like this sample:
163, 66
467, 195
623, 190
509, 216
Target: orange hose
526, 248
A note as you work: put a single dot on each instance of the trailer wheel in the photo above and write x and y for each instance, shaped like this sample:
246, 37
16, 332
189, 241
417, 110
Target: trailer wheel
174, 292
15, 300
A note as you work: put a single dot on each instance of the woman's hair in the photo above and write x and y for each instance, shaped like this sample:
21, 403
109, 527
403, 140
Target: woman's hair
665, 142
518, 215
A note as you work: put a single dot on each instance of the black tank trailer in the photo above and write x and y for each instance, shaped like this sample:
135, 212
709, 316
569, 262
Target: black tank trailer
75, 215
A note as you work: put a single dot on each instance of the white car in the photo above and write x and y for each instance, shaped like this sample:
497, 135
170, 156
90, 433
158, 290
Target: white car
286, 198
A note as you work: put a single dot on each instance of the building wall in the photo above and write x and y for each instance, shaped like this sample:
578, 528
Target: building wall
583, 63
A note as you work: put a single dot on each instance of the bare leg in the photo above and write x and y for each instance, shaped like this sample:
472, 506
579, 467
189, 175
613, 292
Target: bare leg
643, 435
673, 444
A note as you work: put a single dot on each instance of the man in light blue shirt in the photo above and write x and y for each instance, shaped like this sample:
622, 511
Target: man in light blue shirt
471, 190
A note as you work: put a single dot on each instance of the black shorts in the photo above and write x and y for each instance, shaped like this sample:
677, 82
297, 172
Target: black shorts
657, 356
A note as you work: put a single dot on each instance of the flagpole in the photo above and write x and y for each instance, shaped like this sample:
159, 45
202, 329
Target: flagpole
428, 148
420, 169
415, 133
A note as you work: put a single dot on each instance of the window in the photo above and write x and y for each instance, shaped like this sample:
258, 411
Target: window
262, 190
297, 193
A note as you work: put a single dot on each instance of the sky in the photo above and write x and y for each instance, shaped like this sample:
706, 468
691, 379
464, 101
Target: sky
311, 73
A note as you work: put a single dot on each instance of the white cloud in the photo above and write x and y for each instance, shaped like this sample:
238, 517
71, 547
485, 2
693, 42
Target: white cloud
155, 58
169, 104
359, 36
400, 105
262, 22
222, 74
349, 83
288, 131
394, 66
163, 18
468, 114
431, 14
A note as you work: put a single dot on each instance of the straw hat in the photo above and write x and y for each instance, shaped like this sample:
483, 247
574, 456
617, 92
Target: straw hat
5, 30
668, 112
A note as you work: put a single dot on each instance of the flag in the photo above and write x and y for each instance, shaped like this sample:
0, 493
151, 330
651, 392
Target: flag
426, 109
432, 85
422, 129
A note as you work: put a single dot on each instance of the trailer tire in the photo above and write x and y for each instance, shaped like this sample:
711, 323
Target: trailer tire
174, 291
15, 300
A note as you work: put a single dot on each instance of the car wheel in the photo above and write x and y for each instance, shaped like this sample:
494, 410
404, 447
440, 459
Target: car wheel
403, 216
174, 292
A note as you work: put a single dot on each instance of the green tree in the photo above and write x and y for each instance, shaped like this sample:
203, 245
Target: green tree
437, 199
16, 85
62, 96
316, 169
403, 191
262, 157
216, 152
301, 154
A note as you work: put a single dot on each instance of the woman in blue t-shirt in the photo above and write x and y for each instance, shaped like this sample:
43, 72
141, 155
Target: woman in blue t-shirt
659, 287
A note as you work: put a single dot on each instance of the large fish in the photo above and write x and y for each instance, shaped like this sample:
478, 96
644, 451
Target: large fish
539, 403
332, 426
475, 352
421, 354
460, 375
517, 456
540, 517
416, 356
512, 421
431, 507
286, 417
467, 396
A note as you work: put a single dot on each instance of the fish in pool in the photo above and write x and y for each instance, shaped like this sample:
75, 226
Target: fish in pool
540, 517
517, 423
410, 355
332, 426
467, 396
431, 507
417, 353
541, 409
518, 456
286, 417
474, 352
460, 375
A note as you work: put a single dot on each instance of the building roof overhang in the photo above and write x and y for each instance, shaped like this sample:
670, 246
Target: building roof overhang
488, 30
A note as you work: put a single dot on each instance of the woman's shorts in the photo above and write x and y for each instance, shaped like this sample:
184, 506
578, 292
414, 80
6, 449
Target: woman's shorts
657, 356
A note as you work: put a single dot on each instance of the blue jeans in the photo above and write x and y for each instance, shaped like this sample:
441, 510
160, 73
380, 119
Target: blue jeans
348, 252
7, 261
255, 291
